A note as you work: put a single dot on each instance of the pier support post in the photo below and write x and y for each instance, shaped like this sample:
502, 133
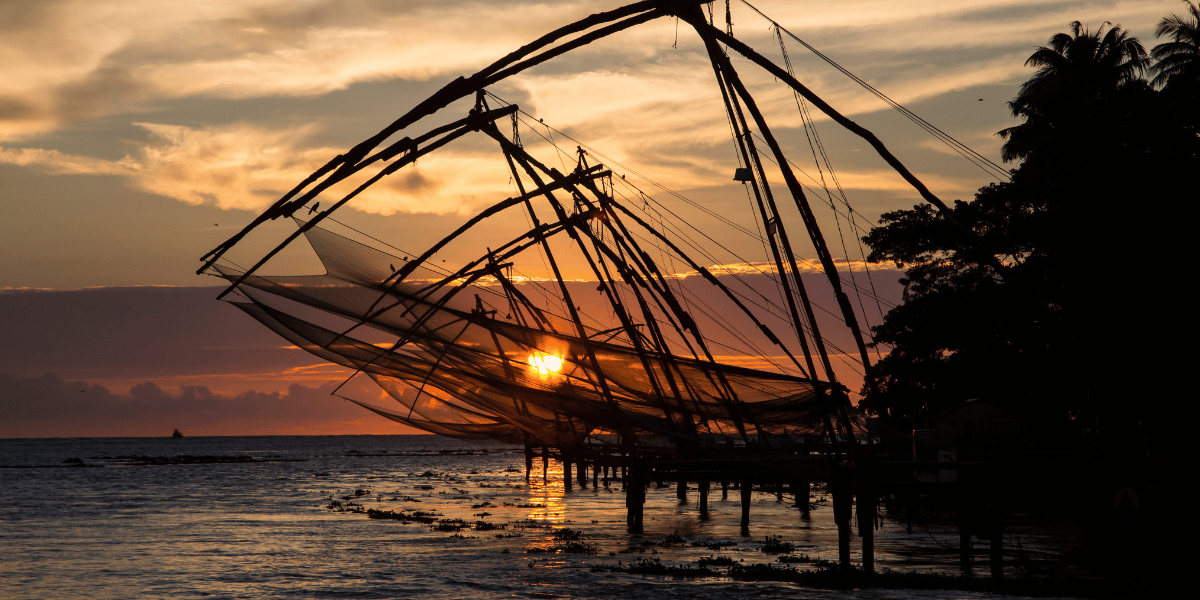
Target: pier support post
996, 537
681, 491
635, 502
528, 461
867, 503
566, 463
545, 465
581, 472
964, 550
800, 492
839, 488
724, 489
746, 490
966, 524
703, 500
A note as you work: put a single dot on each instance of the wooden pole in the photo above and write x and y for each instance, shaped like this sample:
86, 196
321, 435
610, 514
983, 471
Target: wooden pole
566, 463
839, 488
635, 501
703, 500
800, 491
996, 535
867, 505
747, 488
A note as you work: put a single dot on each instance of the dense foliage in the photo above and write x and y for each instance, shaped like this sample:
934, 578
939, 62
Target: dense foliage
1080, 322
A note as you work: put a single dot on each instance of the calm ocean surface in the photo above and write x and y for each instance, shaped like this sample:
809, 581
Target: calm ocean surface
147, 527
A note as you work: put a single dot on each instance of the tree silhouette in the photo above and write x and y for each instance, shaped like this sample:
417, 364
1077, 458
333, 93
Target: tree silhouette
1091, 231
1078, 74
1179, 57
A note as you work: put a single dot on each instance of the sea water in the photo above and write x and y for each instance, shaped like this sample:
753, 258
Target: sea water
278, 517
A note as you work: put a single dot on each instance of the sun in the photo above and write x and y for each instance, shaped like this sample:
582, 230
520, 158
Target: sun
545, 364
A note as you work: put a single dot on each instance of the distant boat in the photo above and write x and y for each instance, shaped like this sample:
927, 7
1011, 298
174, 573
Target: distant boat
177, 435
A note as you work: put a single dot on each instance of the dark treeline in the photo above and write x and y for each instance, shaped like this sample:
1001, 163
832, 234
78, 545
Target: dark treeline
1084, 327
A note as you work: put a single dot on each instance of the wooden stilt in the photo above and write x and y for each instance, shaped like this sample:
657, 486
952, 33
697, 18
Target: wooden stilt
635, 501
966, 520
725, 489
703, 500
839, 488
681, 491
581, 472
528, 461
964, 549
566, 463
867, 501
800, 493
747, 487
996, 535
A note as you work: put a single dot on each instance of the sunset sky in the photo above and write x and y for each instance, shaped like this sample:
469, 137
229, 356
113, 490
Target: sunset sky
135, 136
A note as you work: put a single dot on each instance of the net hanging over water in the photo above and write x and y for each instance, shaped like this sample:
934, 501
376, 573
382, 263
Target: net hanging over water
487, 351
519, 372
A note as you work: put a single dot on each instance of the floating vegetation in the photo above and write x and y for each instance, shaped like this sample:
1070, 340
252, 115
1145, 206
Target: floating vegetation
776, 545
449, 525
799, 558
714, 544
425, 518
763, 572
568, 548
485, 526
655, 567
567, 534
716, 561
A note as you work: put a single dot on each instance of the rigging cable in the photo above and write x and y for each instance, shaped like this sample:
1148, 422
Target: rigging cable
982, 162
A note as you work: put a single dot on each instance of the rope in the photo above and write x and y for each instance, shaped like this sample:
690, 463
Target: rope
982, 162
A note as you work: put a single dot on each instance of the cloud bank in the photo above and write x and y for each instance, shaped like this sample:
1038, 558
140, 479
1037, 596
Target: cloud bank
646, 96
48, 406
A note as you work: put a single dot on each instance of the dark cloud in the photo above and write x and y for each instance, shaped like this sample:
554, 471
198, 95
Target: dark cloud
23, 16
16, 109
411, 182
147, 332
105, 90
48, 406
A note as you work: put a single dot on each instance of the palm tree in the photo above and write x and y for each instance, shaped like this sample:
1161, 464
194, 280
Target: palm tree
1181, 56
1077, 74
